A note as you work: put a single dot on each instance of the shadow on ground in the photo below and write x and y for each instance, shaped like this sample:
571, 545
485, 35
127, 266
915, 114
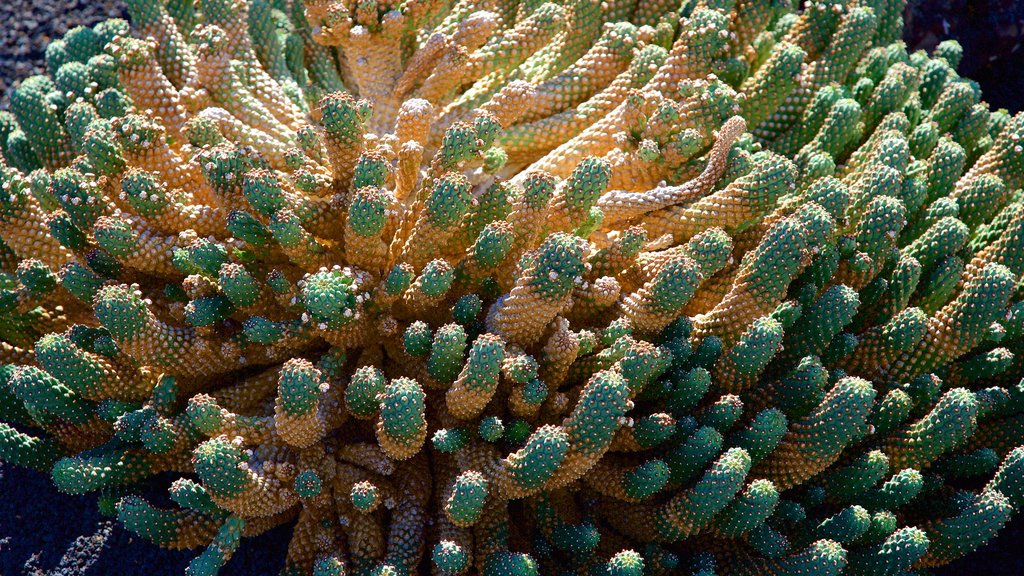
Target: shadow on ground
46, 533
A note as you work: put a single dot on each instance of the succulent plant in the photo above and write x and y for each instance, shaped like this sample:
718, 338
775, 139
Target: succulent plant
509, 288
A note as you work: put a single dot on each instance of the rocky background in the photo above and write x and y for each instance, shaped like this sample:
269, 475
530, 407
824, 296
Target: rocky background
44, 533
27, 26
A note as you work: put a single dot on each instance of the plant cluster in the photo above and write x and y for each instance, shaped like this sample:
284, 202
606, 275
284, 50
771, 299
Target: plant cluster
513, 287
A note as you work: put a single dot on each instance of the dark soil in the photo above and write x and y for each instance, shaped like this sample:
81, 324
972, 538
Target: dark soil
991, 33
45, 533
27, 26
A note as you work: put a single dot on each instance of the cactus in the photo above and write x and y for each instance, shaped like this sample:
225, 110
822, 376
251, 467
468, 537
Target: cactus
515, 287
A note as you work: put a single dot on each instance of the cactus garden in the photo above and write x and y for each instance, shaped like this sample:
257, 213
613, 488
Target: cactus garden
514, 287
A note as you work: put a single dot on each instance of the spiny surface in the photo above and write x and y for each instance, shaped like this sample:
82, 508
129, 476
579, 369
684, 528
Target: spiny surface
518, 287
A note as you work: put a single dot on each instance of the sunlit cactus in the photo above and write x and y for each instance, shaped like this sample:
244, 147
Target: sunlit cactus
511, 288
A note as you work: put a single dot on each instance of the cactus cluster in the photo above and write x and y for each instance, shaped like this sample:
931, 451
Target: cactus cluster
513, 287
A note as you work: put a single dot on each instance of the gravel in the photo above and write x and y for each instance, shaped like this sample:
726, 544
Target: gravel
27, 26
992, 35
46, 533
